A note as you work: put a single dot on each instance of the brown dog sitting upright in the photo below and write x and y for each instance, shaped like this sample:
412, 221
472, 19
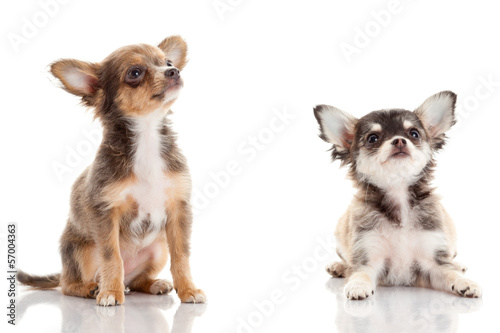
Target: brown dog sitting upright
134, 199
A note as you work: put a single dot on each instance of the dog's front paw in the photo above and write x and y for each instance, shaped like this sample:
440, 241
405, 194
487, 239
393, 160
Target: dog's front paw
192, 296
337, 269
466, 288
160, 287
110, 298
358, 289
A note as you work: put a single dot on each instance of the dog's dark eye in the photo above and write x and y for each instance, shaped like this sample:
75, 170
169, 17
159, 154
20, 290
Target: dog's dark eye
372, 138
169, 63
415, 134
134, 73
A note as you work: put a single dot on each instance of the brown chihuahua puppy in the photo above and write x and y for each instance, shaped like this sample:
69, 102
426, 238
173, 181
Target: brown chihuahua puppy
130, 208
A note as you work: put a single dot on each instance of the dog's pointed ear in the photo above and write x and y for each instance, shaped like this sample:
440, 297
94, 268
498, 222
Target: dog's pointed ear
78, 78
437, 113
175, 48
337, 128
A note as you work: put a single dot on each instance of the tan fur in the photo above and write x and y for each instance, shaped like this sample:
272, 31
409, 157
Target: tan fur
180, 212
88, 286
117, 233
136, 101
61, 67
179, 57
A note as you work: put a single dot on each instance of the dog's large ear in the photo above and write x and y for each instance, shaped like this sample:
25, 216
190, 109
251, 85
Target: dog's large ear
175, 48
78, 77
437, 113
337, 128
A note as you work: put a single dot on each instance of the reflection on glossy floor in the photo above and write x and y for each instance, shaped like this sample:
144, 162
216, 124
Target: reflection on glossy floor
141, 313
317, 307
400, 309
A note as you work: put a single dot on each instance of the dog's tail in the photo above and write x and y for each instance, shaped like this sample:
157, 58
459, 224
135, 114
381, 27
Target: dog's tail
42, 282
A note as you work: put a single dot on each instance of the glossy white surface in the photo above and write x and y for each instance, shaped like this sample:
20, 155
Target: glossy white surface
266, 194
317, 307
141, 313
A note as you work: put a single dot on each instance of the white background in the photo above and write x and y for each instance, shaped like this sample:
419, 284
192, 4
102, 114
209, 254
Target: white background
248, 63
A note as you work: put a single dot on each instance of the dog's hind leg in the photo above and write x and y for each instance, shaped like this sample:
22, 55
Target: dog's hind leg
79, 275
338, 269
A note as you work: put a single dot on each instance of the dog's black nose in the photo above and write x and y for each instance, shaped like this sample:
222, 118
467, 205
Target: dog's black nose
399, 142
172, 73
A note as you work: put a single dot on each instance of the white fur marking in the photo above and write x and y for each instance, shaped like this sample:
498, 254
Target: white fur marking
403, 247
149, 167
389, 173
408, 124
376, 128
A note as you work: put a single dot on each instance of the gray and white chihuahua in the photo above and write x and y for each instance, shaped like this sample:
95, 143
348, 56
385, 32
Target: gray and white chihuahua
395, 231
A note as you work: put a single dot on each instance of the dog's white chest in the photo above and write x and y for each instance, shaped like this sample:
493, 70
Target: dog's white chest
149, 191
402, 250
150, 198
